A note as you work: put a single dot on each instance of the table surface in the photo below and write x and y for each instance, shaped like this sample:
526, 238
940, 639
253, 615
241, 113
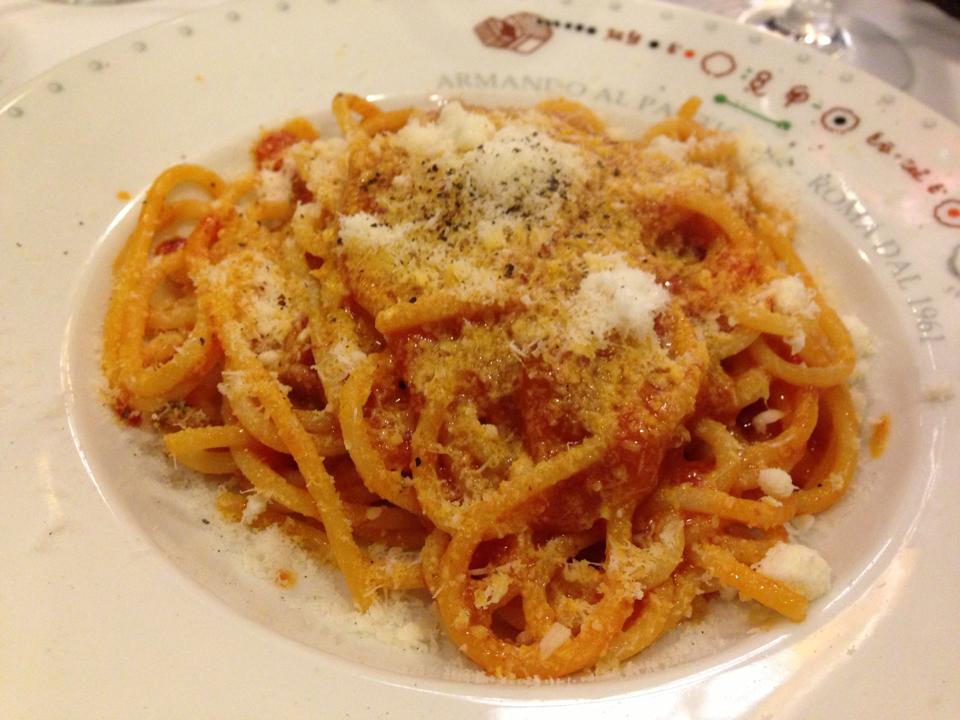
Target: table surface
35, 36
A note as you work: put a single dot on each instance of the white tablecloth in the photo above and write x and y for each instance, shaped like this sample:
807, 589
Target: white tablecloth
35, 36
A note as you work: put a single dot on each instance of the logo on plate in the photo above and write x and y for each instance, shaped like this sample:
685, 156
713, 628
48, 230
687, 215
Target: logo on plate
521, 32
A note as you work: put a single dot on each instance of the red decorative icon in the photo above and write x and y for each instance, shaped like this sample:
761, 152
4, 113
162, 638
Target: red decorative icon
718, 64
758, 82
948, 213
521, 32
840, 120
796, 94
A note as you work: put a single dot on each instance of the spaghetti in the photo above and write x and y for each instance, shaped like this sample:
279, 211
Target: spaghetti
571, 386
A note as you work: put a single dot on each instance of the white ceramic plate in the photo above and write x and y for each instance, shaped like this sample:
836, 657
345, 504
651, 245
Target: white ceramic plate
118, 600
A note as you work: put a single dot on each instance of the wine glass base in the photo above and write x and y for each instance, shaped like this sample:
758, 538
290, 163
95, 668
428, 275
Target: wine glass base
857, 42
771, 20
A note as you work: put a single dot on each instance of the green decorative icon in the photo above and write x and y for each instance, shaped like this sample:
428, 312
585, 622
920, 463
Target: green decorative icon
722, 99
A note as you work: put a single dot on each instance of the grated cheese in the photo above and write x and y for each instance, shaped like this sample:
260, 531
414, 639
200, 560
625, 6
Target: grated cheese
269, 357
802, 568
556, 636
254, 508
406, 251
455, 129
763, 420
493, 590
674, 149
835, 481
797, 341
521, 172
272, 317
776, 483
273, 186
323, 164
790, 296
347, 355
863, 344
764, 165
262, 293
622, 299
366, 229
860, 335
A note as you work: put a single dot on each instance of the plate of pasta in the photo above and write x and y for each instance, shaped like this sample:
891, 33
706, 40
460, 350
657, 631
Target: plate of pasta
574, 354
